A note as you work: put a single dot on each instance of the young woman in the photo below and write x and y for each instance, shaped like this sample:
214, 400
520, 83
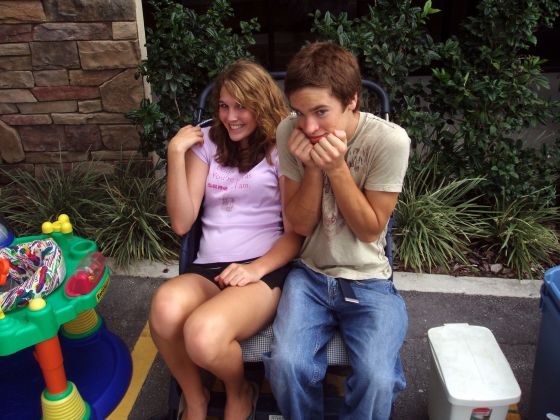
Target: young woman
233, 287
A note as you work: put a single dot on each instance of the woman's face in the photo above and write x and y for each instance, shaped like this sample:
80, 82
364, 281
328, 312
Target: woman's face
239, 121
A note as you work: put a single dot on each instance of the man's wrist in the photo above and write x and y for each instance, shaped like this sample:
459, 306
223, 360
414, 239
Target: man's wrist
312, 169
341, 170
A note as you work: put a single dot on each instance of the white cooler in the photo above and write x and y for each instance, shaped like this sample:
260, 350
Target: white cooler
470, 377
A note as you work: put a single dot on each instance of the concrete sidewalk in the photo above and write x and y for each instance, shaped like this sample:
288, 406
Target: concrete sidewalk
509, 308
405, 281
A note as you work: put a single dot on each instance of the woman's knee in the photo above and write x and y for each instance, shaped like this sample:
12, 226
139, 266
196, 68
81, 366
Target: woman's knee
205, 338
168, 312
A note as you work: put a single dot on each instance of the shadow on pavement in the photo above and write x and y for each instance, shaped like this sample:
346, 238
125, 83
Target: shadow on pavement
513, 321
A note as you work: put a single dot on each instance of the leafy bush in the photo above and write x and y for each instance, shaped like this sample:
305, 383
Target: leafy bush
486, 90
124, 213
523, 235
185, 52
482, 93
131, 222
391, 43
28, 201
436, 219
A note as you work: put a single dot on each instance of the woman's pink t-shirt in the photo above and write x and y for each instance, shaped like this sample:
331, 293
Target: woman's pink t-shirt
242, 215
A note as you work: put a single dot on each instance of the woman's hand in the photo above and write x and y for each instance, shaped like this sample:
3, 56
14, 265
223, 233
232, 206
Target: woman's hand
238, 275
185, 138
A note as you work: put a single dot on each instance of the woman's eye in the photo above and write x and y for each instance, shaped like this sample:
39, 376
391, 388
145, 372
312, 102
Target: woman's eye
223, 106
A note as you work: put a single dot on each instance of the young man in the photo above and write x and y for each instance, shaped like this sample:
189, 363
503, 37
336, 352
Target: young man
343, 173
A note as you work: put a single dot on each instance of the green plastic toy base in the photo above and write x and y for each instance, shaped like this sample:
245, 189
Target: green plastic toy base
23, 327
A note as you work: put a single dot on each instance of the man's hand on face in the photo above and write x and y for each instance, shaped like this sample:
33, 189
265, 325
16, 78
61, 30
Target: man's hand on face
328, 153
300, 146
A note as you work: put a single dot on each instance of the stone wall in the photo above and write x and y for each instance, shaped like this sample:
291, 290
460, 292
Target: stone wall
66, 80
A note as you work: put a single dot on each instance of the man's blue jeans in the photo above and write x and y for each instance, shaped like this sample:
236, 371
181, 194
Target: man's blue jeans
311, 307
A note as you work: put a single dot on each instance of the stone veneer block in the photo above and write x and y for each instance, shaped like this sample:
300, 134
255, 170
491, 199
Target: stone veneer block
11, 150
125, 30
91, 77
16, 96
26, 11
83, 137
90, 10
41, 49
95, 166
86, 107
14, 49
16, 63
48, 107
30, 119
51, 77
55, 157
122, 93
120, 137
93, 118
65, 92
16, 79
16, 33
71, 31
43, 138
42, 168
117, 156
98, 55
54, 55
8, 109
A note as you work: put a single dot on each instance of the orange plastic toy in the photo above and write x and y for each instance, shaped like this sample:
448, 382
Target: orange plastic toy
4, 268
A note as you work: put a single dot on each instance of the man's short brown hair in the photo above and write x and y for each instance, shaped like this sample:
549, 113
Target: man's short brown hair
325, 65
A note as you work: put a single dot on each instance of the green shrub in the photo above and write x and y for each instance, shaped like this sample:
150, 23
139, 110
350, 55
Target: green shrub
391, 43
131, 223
29, 201
185, 52
482, 93
436, 219
485, 88
124, 213
522, 233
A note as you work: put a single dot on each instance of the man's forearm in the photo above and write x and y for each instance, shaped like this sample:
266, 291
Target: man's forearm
358, 214
303, 209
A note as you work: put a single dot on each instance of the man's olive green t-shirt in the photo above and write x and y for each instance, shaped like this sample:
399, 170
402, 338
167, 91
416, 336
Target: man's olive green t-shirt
377, 157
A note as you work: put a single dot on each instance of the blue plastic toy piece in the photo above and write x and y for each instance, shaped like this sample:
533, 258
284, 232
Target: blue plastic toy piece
6, 234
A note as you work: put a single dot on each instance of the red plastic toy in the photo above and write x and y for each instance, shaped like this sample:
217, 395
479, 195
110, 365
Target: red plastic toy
88, 273
4, 269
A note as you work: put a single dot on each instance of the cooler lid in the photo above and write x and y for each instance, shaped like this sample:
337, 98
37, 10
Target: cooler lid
472, 367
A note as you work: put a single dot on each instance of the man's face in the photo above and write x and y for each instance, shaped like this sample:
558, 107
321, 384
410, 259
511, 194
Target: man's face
320, 113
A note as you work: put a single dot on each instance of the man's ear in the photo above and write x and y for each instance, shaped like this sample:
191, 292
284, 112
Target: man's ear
353, 103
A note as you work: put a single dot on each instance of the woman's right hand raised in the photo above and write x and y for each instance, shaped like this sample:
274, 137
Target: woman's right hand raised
185, 138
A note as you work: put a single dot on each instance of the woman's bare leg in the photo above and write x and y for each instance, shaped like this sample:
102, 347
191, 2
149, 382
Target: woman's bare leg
212, 335
171, 306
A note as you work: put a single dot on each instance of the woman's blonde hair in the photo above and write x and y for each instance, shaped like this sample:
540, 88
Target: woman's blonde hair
253, 88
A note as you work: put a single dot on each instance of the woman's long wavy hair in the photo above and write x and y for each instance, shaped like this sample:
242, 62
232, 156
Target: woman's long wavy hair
253, 88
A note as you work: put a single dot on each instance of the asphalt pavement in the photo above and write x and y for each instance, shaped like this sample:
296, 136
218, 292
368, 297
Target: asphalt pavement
509, 308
